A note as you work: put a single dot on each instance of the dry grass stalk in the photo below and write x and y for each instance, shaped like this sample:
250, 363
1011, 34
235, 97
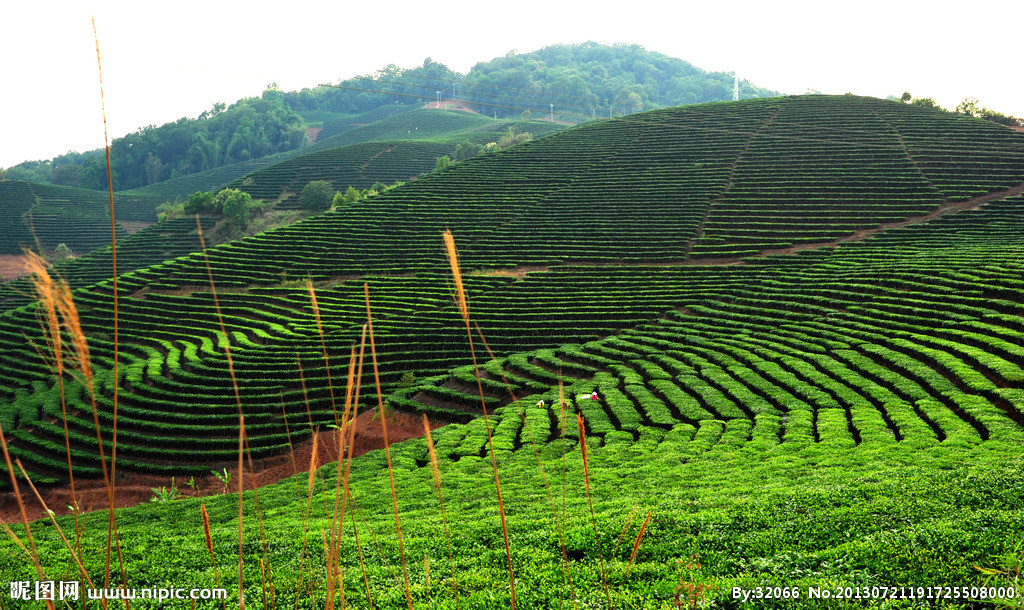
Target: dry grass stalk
206, 531
313, 465
241, 446
362, 562
209, 546
113, 259
256, 496
112, 481
305, 394
356, 512
387, 445
288, 433
53, 520
79, 356
639, 537
565, 451
24, 517
566, 573
16, 539
351, 414
440, 495
590, 502
329, 568
46, 290
305, 517
323, 345
347, 434
463, 304
625, 528
341, 435
238, 401
426, 572
263, 582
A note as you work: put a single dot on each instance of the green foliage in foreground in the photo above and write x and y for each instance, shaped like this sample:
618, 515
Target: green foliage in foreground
794, 515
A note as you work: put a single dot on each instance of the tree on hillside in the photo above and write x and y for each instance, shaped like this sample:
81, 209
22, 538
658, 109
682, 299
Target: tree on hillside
1002, 119
237, 207
513, 136
442, 163
317, 195
200, 203
969, 106
467, 150
587, 79
351, 195
61, 252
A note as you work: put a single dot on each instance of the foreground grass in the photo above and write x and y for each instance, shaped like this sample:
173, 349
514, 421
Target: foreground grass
743, 516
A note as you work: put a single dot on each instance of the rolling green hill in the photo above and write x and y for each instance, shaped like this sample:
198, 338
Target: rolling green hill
364, 156
847, 415
406, 129
535, 205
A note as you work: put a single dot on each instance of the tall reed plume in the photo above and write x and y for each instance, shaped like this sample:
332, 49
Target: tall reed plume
590, 501
46, 290
463, 304
238, 402
24, 517
566, 573
109, 480
440, 495
387, 446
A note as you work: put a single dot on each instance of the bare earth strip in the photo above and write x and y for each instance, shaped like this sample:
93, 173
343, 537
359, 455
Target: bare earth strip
12, 266
133, 489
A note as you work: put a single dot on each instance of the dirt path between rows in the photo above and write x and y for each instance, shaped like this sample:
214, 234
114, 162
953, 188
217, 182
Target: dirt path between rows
133, 489
946, 207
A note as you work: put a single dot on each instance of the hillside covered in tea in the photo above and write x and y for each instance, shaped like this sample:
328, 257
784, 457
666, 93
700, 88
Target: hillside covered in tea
803, 319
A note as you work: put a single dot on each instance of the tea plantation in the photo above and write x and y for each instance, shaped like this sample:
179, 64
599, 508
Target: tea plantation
45, 215
803, 319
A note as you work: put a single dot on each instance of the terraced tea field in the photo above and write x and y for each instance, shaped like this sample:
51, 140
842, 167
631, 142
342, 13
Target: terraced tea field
48, 215
847, 414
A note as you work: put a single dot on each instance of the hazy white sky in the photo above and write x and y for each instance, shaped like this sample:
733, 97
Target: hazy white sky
162, 61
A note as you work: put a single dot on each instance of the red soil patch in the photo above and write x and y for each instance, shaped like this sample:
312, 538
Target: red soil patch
12, 266
133, 489
312, 133
134, 226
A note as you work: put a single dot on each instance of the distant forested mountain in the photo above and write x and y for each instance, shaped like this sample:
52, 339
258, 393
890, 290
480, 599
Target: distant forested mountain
596, 80
572, 82
248, 129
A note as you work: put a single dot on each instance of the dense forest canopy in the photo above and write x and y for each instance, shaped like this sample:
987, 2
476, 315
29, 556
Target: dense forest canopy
248, 129
595, 80
391, 85
574, 82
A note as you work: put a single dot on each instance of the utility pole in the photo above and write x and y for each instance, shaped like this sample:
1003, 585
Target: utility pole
552, 112
438, 99
736, 87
